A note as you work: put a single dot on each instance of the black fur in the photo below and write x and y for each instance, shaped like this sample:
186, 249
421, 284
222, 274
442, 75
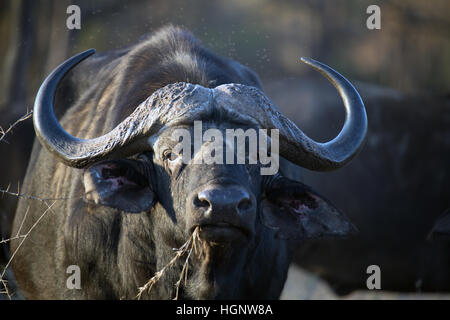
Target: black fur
118, 251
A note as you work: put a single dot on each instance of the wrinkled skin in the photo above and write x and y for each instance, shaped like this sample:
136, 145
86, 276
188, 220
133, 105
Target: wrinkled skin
119, 220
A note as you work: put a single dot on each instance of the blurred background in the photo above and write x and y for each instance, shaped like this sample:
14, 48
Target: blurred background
410, 53
408, 58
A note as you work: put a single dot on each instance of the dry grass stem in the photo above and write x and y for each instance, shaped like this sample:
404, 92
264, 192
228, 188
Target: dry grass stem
188, 247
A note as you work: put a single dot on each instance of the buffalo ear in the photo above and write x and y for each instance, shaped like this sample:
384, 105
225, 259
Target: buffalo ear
296, 212
118, 184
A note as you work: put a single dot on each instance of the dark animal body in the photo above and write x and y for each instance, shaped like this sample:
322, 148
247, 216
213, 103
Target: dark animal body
393, 191
128, 199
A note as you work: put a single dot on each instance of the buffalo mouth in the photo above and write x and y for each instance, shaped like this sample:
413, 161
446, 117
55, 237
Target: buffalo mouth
222, 232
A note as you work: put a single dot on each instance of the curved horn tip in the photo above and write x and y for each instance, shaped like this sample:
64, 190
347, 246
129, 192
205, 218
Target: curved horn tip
87, 52
352, 136
91, 50
311, 62
45, 123
78, 58
306, 60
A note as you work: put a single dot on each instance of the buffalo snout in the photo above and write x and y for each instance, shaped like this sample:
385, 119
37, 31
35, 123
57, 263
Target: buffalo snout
223, 213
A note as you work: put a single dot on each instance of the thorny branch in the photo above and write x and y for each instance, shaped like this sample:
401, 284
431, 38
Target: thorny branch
20, 236
3, 133
26, 196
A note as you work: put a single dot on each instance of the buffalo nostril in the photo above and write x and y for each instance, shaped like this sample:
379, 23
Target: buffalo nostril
244, 204
223, 199
201, 201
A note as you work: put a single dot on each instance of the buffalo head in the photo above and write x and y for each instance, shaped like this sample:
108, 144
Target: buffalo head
248, 223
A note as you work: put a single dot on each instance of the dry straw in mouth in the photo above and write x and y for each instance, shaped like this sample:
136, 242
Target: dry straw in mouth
188, 247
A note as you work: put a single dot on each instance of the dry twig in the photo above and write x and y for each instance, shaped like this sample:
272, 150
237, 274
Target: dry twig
3, 133
189, 246
23, 237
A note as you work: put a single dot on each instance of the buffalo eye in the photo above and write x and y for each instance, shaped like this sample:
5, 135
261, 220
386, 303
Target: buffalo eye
170, 156
172, 160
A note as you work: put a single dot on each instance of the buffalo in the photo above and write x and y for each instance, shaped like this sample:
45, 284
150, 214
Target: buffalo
120, 196
394, 191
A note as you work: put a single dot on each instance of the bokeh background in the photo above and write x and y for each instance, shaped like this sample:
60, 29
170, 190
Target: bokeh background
410, 54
